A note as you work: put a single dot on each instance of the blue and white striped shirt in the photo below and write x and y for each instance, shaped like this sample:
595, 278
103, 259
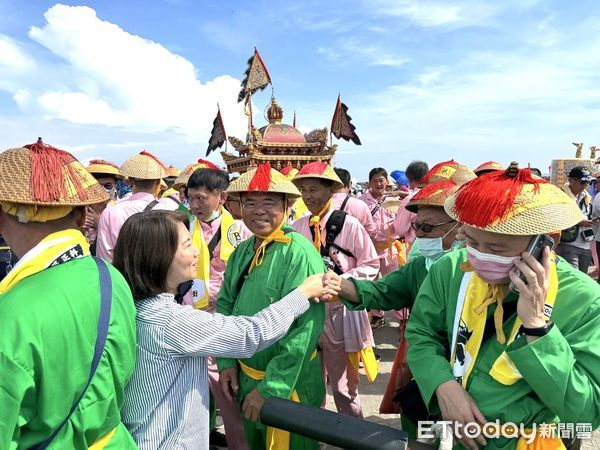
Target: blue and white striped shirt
166, 399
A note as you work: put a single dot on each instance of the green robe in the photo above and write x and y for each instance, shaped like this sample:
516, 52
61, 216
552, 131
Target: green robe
48, 323
287, 363
396, 290
561, 371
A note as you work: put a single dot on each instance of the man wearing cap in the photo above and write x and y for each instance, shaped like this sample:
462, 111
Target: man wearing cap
342, 200
480, 352
260, 271
144, 172
436, 235
216, 234
67, 349
106, 174
575, 242
347, 337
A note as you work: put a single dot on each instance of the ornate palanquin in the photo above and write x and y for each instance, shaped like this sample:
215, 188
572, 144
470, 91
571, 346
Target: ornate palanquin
279, 144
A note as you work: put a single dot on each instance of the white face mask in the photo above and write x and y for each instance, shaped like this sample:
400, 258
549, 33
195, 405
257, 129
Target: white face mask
433, 248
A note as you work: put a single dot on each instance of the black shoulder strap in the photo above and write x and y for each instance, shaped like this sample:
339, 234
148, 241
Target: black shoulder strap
177, 202
101, 335
213, 243
246, 270
343, 205
333, 228
376, 208
151, 205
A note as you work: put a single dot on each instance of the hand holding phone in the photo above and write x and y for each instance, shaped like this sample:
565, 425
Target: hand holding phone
536, 249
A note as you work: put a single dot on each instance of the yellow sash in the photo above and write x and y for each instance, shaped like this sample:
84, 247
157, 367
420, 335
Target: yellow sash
54, 249
230, 239
470, 325
369, 362
103, 441
276, 439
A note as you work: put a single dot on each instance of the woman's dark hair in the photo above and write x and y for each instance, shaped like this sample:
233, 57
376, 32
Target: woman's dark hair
145, 249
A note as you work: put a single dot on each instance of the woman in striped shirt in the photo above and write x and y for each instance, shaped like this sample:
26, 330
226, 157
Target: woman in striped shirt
166, 399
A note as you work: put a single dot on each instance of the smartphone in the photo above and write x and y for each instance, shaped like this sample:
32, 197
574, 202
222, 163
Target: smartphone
536, 249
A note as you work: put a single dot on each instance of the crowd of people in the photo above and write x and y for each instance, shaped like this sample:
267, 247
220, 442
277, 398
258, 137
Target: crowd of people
139, 301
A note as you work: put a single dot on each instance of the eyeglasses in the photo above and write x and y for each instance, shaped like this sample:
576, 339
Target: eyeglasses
267, 205
427, 227
108, 186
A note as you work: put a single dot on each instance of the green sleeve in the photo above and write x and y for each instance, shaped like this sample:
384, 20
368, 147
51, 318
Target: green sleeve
226, 301
17, 390
296, 348
564, 369
427, 336
396, 290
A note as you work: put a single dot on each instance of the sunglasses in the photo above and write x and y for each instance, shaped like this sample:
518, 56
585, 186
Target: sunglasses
427, 227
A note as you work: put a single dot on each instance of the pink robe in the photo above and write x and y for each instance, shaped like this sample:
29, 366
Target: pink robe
405, 219
384, 225
113, 218
345, 331
355, 208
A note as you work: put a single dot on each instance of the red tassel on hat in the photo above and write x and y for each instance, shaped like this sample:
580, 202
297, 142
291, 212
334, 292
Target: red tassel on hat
145, 153
491, 197
435, 169
286, 170
208, 164
314, 168
48, 165
433, 188
261, 179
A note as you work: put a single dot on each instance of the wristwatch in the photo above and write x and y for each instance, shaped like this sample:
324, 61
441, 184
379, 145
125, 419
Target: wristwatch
540, 331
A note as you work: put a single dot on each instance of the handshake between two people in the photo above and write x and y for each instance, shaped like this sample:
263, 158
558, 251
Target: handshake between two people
322, 287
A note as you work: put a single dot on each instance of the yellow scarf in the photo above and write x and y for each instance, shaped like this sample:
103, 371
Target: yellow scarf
276, 236
54, 249
230, 239
315, 222
367, 356
475, 296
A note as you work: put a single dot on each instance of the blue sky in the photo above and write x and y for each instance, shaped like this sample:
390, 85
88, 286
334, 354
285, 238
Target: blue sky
423, 79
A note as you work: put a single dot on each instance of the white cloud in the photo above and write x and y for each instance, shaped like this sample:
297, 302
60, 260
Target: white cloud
448, 14
525, 105
112, 78
351, 50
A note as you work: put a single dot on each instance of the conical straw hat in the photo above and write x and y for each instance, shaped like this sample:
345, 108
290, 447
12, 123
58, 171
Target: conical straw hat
101, 167
184, 176
513, 202
263, 179
40, 174
143, 166
319, 170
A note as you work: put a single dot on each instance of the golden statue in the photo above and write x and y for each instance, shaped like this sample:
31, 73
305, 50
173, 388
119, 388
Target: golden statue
593, 152
579, 151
